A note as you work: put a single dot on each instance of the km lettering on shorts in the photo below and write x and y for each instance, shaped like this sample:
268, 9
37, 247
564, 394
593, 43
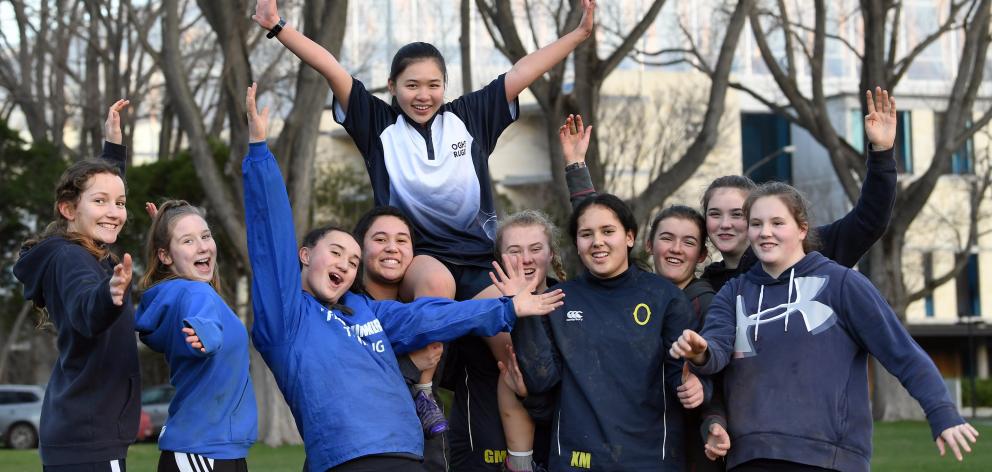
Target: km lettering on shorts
581, 460
494, 456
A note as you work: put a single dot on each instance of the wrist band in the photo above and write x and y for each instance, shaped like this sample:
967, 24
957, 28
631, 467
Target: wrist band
574, 165
276, 29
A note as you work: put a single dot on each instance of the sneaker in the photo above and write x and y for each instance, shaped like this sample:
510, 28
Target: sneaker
534, 466
430, 413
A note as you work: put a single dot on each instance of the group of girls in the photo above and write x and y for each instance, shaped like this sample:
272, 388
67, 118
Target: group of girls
350, 323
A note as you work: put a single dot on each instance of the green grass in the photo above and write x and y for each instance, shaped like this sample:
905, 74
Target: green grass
902, 446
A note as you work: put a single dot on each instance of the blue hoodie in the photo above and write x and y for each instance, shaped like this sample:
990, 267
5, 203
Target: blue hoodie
213, 413
795, 352
336, 366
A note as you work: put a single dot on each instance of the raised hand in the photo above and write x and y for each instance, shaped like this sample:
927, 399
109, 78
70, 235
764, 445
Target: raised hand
151, 209
112, 127
717, 442
193, 340
121, 280
258, 124
266, 13
880, 122
510, 374
957, 437
574, 139
529, 304
588, 20
691, 391
513, 281
428, 357
691, 346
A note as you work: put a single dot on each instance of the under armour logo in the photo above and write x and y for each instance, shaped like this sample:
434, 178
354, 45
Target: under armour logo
574, 315
816, 316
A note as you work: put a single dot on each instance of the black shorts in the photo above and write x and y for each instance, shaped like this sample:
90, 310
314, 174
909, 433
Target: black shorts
377, 463
774, 465
469, 279
476, 434
102, 466
170, 461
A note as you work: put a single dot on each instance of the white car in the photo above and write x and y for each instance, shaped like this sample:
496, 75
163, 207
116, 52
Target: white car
20, 414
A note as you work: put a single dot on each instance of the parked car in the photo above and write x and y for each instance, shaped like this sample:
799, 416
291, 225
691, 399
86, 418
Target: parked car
155, 400
20, 415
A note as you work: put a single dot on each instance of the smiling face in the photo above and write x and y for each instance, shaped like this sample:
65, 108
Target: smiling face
725, 222
387, 250
602, 242
192, 250
774, 234
530, 243
677, 247
419, 89
99, 214
330, 266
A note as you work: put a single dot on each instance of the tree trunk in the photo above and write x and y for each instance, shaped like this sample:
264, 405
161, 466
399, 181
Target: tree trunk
297, 143
12, 338
889, 400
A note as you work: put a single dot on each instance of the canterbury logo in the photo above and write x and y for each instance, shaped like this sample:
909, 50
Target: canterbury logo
574, 315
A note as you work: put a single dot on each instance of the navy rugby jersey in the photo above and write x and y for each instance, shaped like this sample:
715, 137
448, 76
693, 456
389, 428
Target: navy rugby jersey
437, 174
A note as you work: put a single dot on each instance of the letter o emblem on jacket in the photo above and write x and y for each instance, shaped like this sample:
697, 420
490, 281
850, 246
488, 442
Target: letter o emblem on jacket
637, 311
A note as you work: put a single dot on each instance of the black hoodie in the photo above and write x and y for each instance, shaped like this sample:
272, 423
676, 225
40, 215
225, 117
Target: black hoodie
92, 402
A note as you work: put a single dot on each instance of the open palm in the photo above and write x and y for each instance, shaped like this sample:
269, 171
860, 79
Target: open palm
880, 122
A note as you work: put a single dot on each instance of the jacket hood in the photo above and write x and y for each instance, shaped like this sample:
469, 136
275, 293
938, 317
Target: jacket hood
152, 315
808, 264
33, 263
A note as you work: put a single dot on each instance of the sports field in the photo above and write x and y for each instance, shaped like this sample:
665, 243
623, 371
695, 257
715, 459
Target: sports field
901, 446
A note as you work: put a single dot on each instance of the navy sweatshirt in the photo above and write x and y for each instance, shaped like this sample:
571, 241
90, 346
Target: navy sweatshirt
848, 239
794, 353
607, 349
92, 402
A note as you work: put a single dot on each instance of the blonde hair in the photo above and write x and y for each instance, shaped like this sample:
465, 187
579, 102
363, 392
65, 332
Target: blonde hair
534, 218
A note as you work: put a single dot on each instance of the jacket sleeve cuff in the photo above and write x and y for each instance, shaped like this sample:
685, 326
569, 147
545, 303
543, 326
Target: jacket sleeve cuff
942, 418
210, 333
579, 183
408, 369
258, 151
882, 160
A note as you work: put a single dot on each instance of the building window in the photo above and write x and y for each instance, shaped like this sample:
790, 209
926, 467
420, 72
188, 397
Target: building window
969, 297
765, 141
963, 160
928, 307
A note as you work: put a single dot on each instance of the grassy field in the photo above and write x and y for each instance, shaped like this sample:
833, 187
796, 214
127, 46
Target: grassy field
898, 447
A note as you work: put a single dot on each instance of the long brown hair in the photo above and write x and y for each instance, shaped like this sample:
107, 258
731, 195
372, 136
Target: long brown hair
534, 218
159, 237
71, 185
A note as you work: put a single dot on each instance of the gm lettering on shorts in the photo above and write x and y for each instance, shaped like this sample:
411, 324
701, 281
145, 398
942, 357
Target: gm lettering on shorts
581, 460
494, 456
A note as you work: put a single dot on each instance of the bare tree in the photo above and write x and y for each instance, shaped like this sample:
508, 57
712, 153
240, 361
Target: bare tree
591, 70
884, 64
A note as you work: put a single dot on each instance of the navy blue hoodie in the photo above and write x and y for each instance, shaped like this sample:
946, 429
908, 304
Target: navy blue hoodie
213, 413
92, 402
794, 353
607, 348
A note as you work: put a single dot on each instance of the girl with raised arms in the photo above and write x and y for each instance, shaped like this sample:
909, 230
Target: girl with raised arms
333, 352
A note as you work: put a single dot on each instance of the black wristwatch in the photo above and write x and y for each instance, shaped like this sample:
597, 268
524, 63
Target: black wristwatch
276, 29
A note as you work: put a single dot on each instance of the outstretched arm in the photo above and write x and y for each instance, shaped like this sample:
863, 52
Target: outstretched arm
535, 64
113, 149
311, 53
574, 137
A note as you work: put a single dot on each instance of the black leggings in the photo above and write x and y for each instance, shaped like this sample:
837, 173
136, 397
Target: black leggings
170, 461
103, 466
